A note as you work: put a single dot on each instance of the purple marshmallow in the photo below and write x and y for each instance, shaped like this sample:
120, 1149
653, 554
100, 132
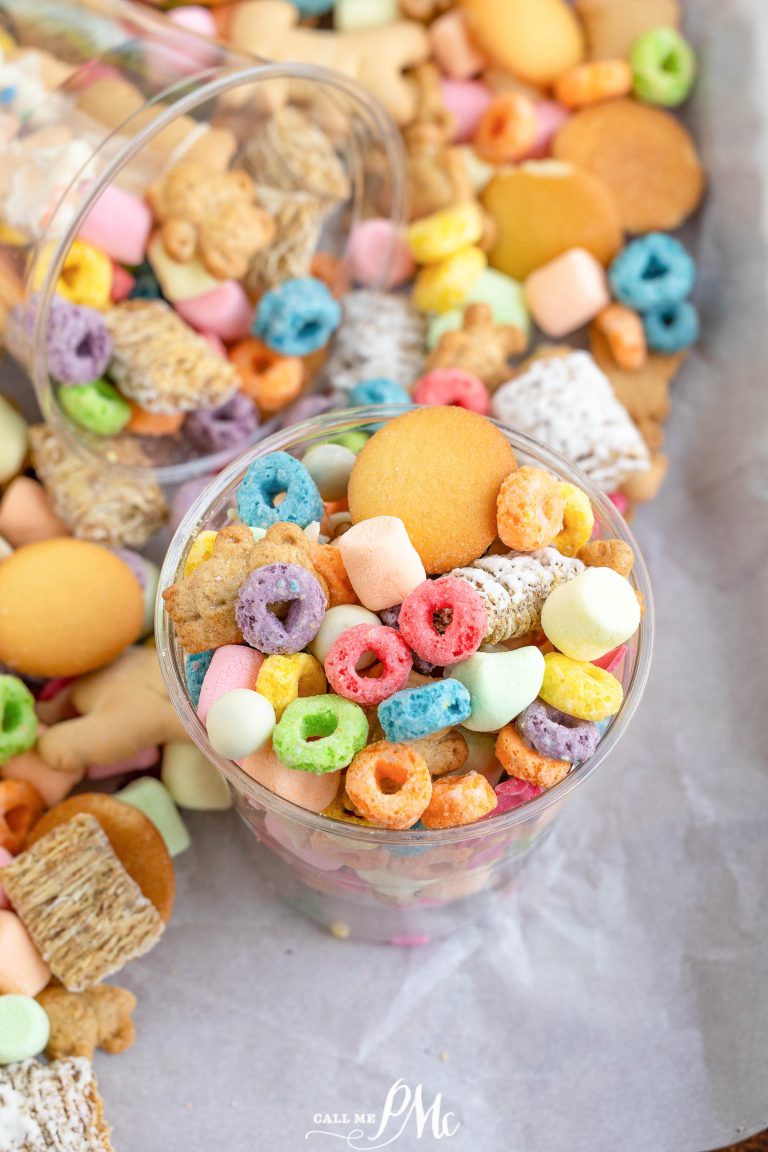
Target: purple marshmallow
557, 735
280, 584
229, 426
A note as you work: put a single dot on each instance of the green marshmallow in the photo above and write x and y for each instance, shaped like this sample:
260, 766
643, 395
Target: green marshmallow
24, 1028
355, 441
18, 720
663, 67
154, 800
99, 407
500, 685
505, 297
192, 781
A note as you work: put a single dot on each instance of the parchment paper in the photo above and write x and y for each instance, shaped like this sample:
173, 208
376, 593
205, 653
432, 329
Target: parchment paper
616, 1002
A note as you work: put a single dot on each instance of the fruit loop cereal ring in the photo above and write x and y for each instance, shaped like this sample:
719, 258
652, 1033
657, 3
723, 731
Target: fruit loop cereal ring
578, 520
79, 346
320, 734
195, 668
422, 620
590, 83
202, 547
387, 645
453, 386
653, 272
663, 67
228, 426
271, 476
557, 735
418, 712
507, 130
98, 406
529, 509
625, 335
298, 317
85, 276
672, 329
21, 806
280, 584
18, 722
283, 679
440, 287
435, 237
268, 378
389, 784
579, 688
514, 793
328, 563
377, 391
143, 423
459, 800
390, 617
525, 763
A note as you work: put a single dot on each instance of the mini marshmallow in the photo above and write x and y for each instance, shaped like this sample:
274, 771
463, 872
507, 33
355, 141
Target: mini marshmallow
142, 760
30, 767
13, 441
377, 254
26, 515
24, 1028
311, 790
357, 15
452, 48
154, 800
336, 621
240, 723
225, 311
193, 781
500, 685
466, 100
591, 614
119, 224
233, 666
22, 969
382, 564
330, 465
567, 292
123, 284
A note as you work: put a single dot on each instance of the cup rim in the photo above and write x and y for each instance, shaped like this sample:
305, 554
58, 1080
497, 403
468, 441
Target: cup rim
320, 428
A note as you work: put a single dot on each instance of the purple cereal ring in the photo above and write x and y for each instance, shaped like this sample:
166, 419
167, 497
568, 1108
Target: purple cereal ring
556, 735
79, 345
228, 426
284, 584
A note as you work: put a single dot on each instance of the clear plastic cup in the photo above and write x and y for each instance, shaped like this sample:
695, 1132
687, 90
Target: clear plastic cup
113, 96
372, 883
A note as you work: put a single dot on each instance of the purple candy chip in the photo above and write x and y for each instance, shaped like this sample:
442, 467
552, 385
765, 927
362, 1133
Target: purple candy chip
278, 585
226, 427
557, 735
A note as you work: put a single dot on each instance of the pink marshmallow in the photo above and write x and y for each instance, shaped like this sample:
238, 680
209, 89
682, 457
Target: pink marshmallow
613, 659
233, 666
215, 343
139, 762
5, 858
620, 502
452, 48
378, 255
466, 100
52, 785
550, 116
122, 283
119, 224
313, 791
567, 292
226, 311
195, 19
382, 564
23, 971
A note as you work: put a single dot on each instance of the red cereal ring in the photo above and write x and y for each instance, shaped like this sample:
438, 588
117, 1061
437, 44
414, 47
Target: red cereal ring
21, 806
389, 784
444, 620
387, 645
453, 386
268, 378
458, 800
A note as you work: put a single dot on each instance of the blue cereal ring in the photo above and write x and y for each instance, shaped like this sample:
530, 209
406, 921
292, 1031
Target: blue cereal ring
672, 329
18, 720
297, 317
377, 391
417, 712
195, 667
267, 478
313, 7
653, 272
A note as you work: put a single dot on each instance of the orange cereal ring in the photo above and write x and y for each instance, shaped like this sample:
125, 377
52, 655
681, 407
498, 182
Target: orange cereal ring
458, 800
389, 784
21, 806
529, 509
624, 332
590, 83
507, 129
143, 423
332, 272
268, 378
327, 560
525, 763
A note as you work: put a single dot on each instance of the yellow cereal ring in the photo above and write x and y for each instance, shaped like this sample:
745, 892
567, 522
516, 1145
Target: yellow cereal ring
440, 235
282, 679
441, 287
201, 549
578, 520
579, 688
85, 277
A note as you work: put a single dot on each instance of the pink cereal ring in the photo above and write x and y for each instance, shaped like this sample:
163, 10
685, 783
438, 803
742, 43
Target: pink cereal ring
387, 645
461, 636
453, 386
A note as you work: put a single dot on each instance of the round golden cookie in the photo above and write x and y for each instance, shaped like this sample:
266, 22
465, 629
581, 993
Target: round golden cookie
535, 41
134, 838
66, 607
612, 26
439, 470
543, 208
645, 156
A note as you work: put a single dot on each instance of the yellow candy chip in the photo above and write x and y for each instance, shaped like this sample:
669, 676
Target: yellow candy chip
201, 549
441, 287
85, 276
580, 689
282, 679
436, 237
578, 520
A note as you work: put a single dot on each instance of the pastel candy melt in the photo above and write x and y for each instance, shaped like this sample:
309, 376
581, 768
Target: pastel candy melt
22, 968
500, 685
382, 564
192, 781
329, 465
466, 100
178, 281
591, 614
550, 117
140, 761
24, 1028
308, 790
567, 292
239, 723
119, 224
14, 434
30, 767
377, 255
356, 15
232, 666
504, 296
225, 311
26, 515
5, 858
154, 800
336, 621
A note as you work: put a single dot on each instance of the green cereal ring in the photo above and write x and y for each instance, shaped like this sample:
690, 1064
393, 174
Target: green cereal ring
18, 720
99, 407
663, 67
320, 733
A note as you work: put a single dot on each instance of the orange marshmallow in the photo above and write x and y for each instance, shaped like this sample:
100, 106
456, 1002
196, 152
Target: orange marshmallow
382, 565
26, 515
30, 767
567, 292
305, 789
23, 972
